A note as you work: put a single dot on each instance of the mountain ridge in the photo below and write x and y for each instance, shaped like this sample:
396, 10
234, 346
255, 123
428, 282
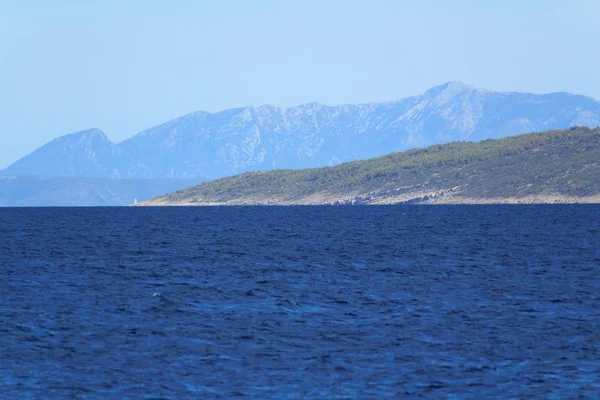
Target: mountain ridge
212, 145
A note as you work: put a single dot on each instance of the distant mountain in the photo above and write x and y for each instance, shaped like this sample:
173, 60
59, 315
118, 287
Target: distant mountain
83, 154
261, 138
551, 167
37, 191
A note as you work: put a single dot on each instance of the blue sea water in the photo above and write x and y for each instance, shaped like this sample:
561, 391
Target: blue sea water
443, 302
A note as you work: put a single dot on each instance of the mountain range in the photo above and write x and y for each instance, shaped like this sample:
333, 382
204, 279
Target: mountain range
204, 145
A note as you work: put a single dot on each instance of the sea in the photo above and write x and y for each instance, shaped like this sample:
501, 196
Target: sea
307, 302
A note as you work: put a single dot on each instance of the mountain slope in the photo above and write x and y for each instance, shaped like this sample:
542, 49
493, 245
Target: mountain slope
87, 153
219, 144
554, 166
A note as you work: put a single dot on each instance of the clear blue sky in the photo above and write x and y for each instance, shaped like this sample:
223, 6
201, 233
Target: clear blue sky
124, 66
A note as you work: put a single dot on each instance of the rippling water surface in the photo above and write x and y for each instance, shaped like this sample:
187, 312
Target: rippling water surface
300, 302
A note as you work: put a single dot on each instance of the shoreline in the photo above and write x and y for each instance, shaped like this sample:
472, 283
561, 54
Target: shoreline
395, 200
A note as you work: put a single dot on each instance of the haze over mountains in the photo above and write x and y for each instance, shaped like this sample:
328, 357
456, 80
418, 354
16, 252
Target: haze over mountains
205, 145
36, 191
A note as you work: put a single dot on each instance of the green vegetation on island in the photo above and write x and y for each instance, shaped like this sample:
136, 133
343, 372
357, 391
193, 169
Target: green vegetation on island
554, 166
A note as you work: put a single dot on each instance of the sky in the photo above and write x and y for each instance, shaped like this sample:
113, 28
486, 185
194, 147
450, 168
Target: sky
124, 66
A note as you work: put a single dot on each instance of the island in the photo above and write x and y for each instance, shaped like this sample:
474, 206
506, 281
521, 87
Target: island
560, 166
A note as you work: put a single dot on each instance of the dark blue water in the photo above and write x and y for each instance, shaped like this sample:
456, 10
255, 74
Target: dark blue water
300, 302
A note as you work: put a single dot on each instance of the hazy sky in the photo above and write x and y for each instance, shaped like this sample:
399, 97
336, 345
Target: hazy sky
124, 66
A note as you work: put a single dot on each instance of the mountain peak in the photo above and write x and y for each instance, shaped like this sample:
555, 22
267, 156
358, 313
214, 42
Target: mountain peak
88, 133
87, 153
450, 87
